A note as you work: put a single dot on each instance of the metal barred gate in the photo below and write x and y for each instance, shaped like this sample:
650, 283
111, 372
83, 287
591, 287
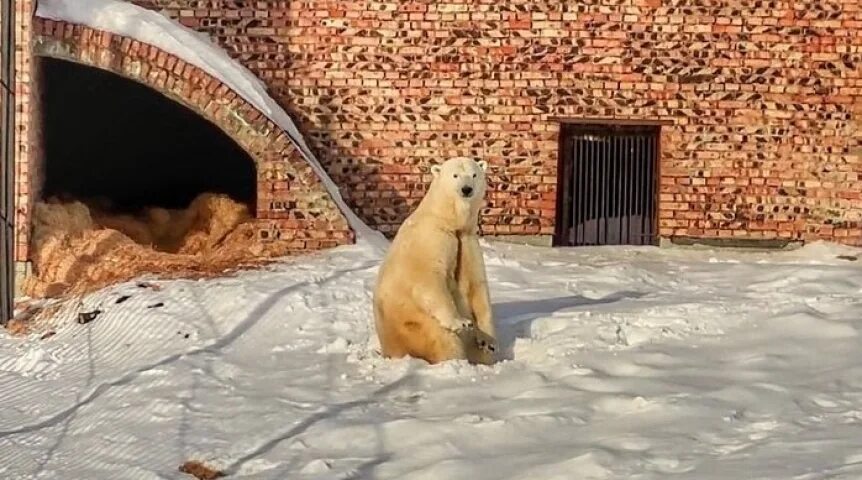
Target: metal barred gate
608, 185
7, 160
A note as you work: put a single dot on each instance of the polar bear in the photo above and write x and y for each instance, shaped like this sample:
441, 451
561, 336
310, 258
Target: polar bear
431, 299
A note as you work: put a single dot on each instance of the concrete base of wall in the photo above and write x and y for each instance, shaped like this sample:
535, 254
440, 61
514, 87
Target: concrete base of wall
665, 242
730, 243
532, 240
22, 270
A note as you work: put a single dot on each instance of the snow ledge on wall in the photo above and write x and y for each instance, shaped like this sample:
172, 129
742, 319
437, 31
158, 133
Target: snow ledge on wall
153, 28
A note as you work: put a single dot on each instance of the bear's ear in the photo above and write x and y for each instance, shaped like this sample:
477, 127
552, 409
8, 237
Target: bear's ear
483, 165
435, 170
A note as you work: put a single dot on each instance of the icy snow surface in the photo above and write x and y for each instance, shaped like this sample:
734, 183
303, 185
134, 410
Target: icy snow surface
125, 19
633, 363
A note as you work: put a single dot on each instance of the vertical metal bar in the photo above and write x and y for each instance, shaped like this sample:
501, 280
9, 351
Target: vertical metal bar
586, 170
579, 189
640, 166
621, 189
581, 195
630, 194
607, 191
571, 145
597, 188
610, 181
656, 185
606, 181
573, 180
588, 190
644, 165
613, 190
643, 185
647, 187
626, 195
577, 192
635, 191
650, 187
594, 201
7, 159
632, 187
638, 194
600, 188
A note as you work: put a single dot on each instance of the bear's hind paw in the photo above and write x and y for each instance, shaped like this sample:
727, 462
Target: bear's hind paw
486, 342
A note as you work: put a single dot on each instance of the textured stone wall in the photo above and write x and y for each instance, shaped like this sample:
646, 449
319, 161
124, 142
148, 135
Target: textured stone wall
292, 204
762, 99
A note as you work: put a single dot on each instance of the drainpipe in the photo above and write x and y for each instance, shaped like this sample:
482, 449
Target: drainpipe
7, 159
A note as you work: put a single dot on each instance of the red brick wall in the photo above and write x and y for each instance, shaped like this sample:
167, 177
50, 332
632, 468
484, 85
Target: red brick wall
292, 204
763, 99
28, 150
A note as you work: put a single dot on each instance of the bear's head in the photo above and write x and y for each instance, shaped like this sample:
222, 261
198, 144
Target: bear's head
461, 178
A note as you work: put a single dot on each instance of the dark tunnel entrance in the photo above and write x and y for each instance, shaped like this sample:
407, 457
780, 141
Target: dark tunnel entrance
108, 137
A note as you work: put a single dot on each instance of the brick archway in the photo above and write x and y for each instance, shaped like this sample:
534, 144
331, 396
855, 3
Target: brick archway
292, 203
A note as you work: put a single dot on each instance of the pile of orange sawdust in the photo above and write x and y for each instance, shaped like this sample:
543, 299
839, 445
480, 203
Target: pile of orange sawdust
34, 317
78, 249
200, 471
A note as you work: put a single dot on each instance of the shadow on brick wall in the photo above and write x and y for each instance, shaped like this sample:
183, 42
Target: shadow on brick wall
371, 187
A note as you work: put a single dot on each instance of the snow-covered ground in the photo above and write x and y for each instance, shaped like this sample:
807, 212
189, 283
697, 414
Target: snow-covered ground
623, 363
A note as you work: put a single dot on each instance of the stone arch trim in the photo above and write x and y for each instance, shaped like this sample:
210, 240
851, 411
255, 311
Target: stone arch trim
292, 203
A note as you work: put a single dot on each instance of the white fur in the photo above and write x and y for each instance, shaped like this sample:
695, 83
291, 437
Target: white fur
431, 300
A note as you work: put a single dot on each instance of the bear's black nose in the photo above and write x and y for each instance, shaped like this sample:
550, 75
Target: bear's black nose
467, 190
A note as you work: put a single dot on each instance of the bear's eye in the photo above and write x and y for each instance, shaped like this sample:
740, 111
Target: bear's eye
455, 176
474, 175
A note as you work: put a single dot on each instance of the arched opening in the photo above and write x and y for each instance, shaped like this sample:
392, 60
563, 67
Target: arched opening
129, 181
108, 138
134, 182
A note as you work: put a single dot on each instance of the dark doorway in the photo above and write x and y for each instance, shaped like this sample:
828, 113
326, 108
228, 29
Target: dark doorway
607, 186
108, 137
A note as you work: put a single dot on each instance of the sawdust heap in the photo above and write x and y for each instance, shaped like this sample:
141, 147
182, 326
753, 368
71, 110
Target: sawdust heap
200, 471
79, 248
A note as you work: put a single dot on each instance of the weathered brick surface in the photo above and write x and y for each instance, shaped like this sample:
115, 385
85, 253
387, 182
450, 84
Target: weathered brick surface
291, 202
27, 136
763, 99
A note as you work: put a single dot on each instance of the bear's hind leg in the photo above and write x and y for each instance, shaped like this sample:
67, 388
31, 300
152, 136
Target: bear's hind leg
427, 340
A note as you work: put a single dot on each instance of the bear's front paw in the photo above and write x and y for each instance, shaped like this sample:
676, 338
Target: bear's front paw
486, 342
459, 324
